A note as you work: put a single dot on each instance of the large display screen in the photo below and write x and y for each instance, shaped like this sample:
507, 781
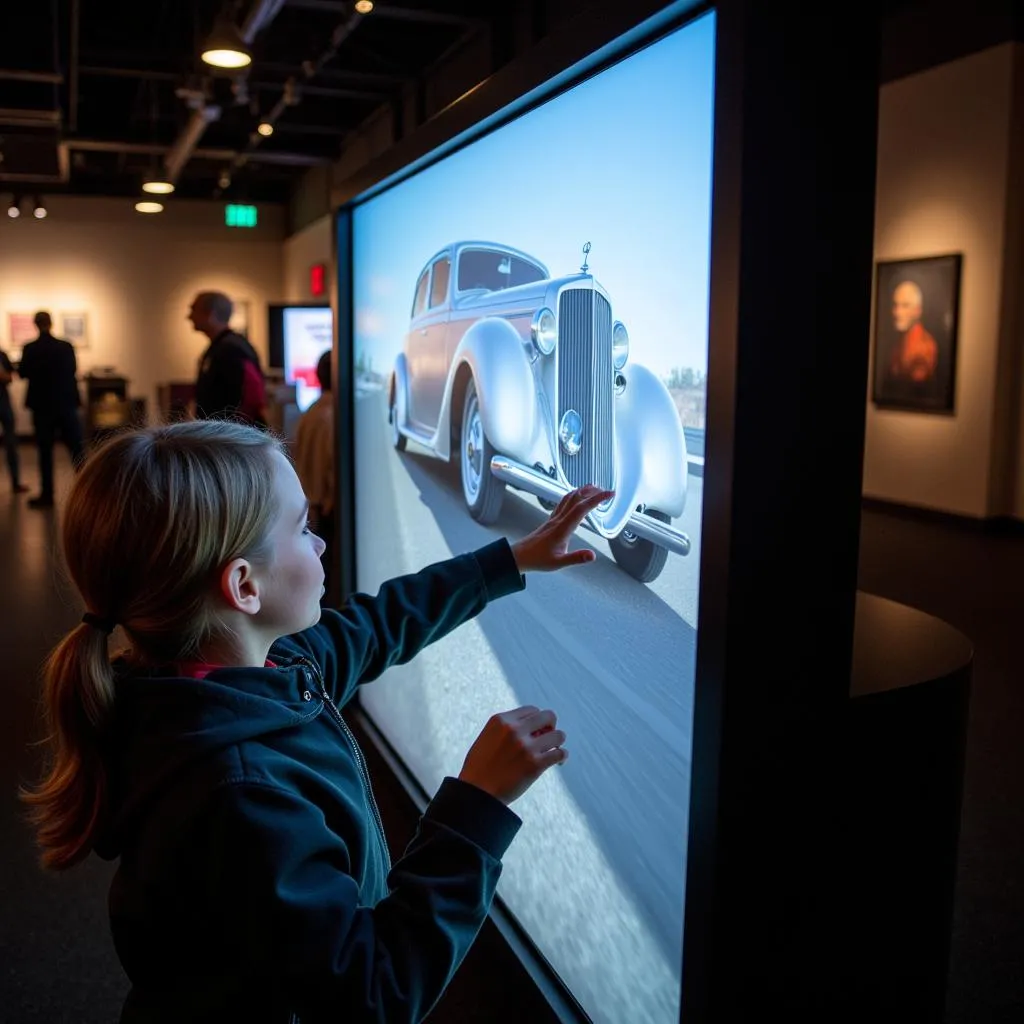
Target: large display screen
299, 336
531, 314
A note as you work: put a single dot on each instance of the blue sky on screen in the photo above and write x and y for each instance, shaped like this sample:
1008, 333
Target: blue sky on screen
622, 161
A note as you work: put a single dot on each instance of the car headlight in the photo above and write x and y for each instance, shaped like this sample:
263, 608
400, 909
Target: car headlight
570, 432
620, 345
544, 331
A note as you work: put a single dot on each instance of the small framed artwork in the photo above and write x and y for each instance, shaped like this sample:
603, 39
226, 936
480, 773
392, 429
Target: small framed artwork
21, 329
74, 328
917, 309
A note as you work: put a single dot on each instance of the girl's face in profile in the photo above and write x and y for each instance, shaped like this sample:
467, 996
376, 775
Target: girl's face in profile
293, 581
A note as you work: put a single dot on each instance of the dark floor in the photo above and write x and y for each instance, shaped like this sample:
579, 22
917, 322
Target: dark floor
56, 959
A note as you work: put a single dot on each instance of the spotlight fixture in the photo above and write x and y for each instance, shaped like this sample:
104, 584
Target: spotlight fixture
157, 187
266, 129
224, 181
149, 207
364, 6
14, 210
226, 48
38, 210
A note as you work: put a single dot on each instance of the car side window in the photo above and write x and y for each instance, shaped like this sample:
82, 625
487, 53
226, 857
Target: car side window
420, 302
439, 282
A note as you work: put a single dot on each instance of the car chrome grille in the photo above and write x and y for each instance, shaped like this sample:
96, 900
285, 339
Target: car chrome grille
585, 383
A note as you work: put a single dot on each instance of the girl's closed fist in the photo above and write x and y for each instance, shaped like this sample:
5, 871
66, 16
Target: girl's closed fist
514, 749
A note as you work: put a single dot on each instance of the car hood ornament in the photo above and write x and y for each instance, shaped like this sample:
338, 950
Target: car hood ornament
586, 254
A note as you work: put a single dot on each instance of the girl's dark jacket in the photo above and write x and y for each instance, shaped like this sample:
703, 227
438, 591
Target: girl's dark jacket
254, 882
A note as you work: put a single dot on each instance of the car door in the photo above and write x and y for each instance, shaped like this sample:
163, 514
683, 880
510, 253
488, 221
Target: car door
429, 344
415, 345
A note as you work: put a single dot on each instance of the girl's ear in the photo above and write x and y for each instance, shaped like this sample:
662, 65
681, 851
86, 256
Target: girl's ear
239, 587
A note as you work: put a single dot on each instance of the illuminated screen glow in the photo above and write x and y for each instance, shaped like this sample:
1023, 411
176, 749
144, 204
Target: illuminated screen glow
307, 333
453, 267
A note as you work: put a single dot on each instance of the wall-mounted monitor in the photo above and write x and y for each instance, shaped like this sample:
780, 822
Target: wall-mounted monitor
299, 334
530, 314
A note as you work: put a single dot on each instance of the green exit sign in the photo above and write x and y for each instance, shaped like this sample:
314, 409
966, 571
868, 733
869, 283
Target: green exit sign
236, 216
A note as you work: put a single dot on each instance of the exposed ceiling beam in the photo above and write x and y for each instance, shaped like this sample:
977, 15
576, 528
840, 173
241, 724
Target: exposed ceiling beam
370, 78
170, 76
40, 77
29, 118
309, 129
219, 155
384, 80
94, 71
325, 91
337, 7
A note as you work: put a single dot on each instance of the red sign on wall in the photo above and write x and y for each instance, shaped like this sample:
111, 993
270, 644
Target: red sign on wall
317, 279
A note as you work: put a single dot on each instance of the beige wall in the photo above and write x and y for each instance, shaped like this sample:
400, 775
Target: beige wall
313, 244
943, 167
135, 275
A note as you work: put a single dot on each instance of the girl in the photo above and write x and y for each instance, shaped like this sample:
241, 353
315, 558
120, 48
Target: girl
254, 882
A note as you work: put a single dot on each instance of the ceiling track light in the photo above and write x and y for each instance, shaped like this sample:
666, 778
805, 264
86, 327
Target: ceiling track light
364, 6
146, 206
14, 210
226, 48
266, 129
158, 187
38, 209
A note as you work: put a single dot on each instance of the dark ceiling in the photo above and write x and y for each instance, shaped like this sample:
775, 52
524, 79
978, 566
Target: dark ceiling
95, 95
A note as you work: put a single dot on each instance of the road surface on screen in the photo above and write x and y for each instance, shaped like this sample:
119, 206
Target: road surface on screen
608, 829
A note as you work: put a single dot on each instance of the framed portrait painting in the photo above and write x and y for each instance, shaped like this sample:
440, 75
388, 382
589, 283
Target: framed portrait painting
917, 309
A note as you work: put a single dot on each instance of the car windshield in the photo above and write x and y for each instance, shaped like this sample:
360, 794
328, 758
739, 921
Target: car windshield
492, 271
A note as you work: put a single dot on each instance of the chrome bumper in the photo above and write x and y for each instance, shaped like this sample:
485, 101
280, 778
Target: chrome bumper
542, 486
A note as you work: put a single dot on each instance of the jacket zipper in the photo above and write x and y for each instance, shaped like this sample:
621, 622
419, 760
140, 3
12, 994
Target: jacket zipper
360, 762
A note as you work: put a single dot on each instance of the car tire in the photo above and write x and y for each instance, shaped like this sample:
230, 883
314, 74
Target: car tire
642, 559
398, 439
483, 492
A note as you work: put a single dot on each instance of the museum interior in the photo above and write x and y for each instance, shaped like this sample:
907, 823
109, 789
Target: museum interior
810, 796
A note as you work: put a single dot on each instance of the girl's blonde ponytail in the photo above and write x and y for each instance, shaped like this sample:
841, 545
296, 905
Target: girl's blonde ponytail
78, 695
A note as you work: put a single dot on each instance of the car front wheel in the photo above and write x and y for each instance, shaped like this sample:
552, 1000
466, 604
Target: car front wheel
483, 491
397, 437
642, 559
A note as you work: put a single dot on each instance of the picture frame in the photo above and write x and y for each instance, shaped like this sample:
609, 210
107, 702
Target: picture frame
21, 329
74, 327
916, 333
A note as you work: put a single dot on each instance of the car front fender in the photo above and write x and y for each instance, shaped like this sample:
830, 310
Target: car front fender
493, 352
650, 447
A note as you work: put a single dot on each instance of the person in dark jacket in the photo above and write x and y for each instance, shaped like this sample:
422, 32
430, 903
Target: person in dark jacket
230, 384
50, 367
254, 881
7, 422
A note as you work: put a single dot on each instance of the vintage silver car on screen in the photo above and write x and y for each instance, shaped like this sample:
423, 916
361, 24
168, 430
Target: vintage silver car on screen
528, 378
